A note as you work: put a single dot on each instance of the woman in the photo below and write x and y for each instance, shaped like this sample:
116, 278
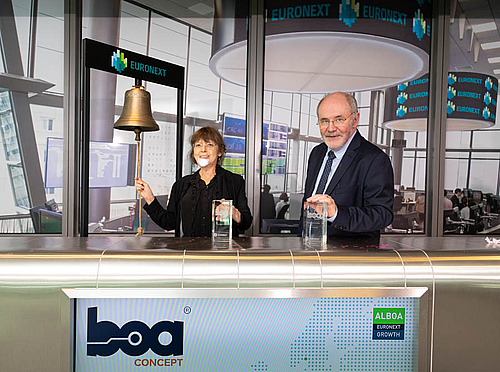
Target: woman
190, 201
465, 211
281, 204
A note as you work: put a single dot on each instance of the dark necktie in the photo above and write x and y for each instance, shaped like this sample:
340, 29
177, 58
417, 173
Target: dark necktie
326, 173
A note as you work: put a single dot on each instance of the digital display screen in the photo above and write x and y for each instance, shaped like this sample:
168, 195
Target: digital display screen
234, 126
235, 145
108, 164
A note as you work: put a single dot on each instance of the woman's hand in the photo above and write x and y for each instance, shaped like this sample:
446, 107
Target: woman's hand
236, 215
144, 190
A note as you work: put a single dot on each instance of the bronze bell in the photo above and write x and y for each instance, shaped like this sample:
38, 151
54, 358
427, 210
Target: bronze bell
136, 114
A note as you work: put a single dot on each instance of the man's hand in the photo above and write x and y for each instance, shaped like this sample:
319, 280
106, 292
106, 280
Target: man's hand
324, 198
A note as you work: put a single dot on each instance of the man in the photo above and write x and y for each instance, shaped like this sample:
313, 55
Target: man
447, 203
267, 208
456, 198
348, 173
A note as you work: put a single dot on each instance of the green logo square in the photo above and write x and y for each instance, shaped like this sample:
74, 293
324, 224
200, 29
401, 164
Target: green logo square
388, 315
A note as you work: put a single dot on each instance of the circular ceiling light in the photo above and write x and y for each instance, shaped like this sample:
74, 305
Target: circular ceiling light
420, 125
318, 62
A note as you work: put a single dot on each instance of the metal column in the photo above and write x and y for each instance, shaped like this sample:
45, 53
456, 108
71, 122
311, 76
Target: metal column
71, 114
397, 157
436, 126
375, 97
254, 109
105, 27
180, 134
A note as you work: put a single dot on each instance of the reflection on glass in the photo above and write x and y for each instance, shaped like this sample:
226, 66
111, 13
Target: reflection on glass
314, 222
11, 150
222, 221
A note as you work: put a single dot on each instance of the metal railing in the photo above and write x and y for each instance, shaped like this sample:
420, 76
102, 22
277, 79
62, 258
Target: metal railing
16, 224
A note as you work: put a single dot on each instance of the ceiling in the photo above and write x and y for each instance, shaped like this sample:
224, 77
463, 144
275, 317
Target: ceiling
197, 13
474, 12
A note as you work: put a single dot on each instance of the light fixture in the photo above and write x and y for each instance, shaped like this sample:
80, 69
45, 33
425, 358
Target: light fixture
476, 50
299, 62
492, 45
497, 71
483, 27
453, 10
461, 25
471, 40
494, 60
317, 49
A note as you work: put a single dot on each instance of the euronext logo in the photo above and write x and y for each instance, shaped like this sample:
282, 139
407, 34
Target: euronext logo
452, 79
388, 323
118, 61
401, 111
402, 86
348, 12
486, 113
402, 97
487, 98
450, 107
451, 92
419, 25
488, 83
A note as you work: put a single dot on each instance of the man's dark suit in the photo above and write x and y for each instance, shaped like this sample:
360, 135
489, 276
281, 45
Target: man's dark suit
455, 201
362, 187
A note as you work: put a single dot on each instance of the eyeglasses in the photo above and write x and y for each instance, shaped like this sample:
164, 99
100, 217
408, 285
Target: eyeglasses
337, 121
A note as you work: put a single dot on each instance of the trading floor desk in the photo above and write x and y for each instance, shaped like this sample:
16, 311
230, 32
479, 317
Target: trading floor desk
459, 328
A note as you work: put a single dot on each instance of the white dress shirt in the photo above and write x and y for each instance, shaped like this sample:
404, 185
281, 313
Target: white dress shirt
339, 154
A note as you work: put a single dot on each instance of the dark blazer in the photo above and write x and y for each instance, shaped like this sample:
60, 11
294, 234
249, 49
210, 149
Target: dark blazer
230, 186
362, 187
267, 206
455, 201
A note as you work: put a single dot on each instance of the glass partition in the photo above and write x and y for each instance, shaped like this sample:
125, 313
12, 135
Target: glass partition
314, 50
182, 35
30, 113
473, 133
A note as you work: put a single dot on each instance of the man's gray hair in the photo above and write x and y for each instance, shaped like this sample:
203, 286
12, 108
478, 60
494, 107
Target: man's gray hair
351, 101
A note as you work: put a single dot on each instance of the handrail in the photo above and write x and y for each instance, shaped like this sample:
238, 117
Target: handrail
14, 216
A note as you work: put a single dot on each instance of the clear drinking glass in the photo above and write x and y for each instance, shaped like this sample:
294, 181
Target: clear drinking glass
222, 221
314, 225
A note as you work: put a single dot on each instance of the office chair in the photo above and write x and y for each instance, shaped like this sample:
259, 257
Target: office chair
486, 217
398, 203
453, 222
283, 210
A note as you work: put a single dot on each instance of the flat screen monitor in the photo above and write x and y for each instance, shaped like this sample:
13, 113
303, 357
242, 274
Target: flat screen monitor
50, 222
235, 145
109, 164
234, 126
409, 195
477, 196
